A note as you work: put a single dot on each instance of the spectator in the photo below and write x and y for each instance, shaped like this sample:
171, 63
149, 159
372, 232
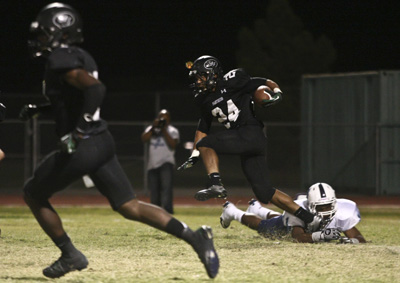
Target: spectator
162, 139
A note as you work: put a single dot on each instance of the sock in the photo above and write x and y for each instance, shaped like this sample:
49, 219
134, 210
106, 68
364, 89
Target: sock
65, 245
175, 227
304, 215
263, 212
215, 178
238, 214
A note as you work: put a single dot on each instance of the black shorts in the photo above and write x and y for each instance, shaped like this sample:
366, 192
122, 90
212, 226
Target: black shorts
94, 156
249, 142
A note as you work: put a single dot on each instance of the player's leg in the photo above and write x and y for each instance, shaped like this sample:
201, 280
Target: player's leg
230, 212
264, 213
49, 177
224, 142
112, 182
256, 171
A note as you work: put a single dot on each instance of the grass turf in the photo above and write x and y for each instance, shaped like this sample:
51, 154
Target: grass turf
124, 251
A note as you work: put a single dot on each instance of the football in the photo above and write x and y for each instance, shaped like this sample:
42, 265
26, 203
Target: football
260, 94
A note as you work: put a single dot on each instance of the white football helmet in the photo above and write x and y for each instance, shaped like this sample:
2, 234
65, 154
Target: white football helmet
321, 194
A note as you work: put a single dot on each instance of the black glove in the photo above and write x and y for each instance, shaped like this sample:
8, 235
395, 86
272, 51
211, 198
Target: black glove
191, 161
29, 111
2, 112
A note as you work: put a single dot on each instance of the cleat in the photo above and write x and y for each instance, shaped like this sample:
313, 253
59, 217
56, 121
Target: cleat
254, 206
226, 218
64, 265
214, 191
203, 245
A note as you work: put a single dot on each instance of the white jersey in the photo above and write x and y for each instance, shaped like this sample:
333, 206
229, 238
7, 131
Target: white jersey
346, 217
159, 152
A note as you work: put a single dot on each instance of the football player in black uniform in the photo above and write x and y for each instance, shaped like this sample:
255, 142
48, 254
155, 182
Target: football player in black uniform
228, 98
75, 96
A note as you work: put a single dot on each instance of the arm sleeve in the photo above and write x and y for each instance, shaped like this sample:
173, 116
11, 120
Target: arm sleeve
93, 98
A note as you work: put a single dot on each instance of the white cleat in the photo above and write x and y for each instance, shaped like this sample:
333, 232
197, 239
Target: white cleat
227, 216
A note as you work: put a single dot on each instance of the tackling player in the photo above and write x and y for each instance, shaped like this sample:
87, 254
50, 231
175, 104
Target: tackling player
74, 96
228, 98
339, 215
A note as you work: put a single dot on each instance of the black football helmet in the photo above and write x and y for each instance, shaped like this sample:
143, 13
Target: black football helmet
206, 72
56, 24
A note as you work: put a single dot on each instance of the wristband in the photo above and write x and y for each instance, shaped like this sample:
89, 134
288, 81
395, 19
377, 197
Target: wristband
316, 237
195, 153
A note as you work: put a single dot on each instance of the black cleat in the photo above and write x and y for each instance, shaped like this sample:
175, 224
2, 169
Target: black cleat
214, 191
64, 265
202, 243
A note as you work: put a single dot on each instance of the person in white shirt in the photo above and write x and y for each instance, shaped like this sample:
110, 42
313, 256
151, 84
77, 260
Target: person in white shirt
162, 139
339, 216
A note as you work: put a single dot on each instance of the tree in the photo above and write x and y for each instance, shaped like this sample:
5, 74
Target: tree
278, 47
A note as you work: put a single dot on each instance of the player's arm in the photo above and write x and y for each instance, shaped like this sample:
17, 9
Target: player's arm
354, 236
171, 142
194, 157
275, 94
201, 132
93, 92
300, 235
325, 235
148, 132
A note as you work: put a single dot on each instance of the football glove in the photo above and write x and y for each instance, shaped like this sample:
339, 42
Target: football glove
69, 143
276, 96
325, 235
314, 225
345, 240
191, 161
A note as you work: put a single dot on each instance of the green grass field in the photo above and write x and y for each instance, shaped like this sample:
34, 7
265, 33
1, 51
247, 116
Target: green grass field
124, 251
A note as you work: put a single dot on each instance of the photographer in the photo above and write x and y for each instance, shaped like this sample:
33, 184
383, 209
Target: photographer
162, 139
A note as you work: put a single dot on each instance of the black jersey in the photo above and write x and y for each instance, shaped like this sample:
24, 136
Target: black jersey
231, 103
66, 100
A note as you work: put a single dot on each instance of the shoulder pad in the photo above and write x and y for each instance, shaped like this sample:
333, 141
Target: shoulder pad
64, 59
236, 79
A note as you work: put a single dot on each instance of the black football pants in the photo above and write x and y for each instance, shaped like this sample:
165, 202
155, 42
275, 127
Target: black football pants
249, 142
94, 156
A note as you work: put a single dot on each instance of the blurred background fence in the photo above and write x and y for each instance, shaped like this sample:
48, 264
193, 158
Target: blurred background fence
348, 136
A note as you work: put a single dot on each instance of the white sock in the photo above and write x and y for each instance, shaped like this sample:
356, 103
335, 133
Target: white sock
237, 214
263, 212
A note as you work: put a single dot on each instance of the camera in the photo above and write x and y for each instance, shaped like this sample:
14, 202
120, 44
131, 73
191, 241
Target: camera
162, 122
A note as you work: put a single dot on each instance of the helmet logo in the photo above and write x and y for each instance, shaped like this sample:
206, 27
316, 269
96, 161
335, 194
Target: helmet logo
63, 19
210, 64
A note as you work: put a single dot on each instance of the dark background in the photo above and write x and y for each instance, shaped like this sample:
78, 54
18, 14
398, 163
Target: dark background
144, 44
141, 48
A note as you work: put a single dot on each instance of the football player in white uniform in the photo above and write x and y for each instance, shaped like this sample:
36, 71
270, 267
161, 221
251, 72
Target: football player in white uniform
339, 216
